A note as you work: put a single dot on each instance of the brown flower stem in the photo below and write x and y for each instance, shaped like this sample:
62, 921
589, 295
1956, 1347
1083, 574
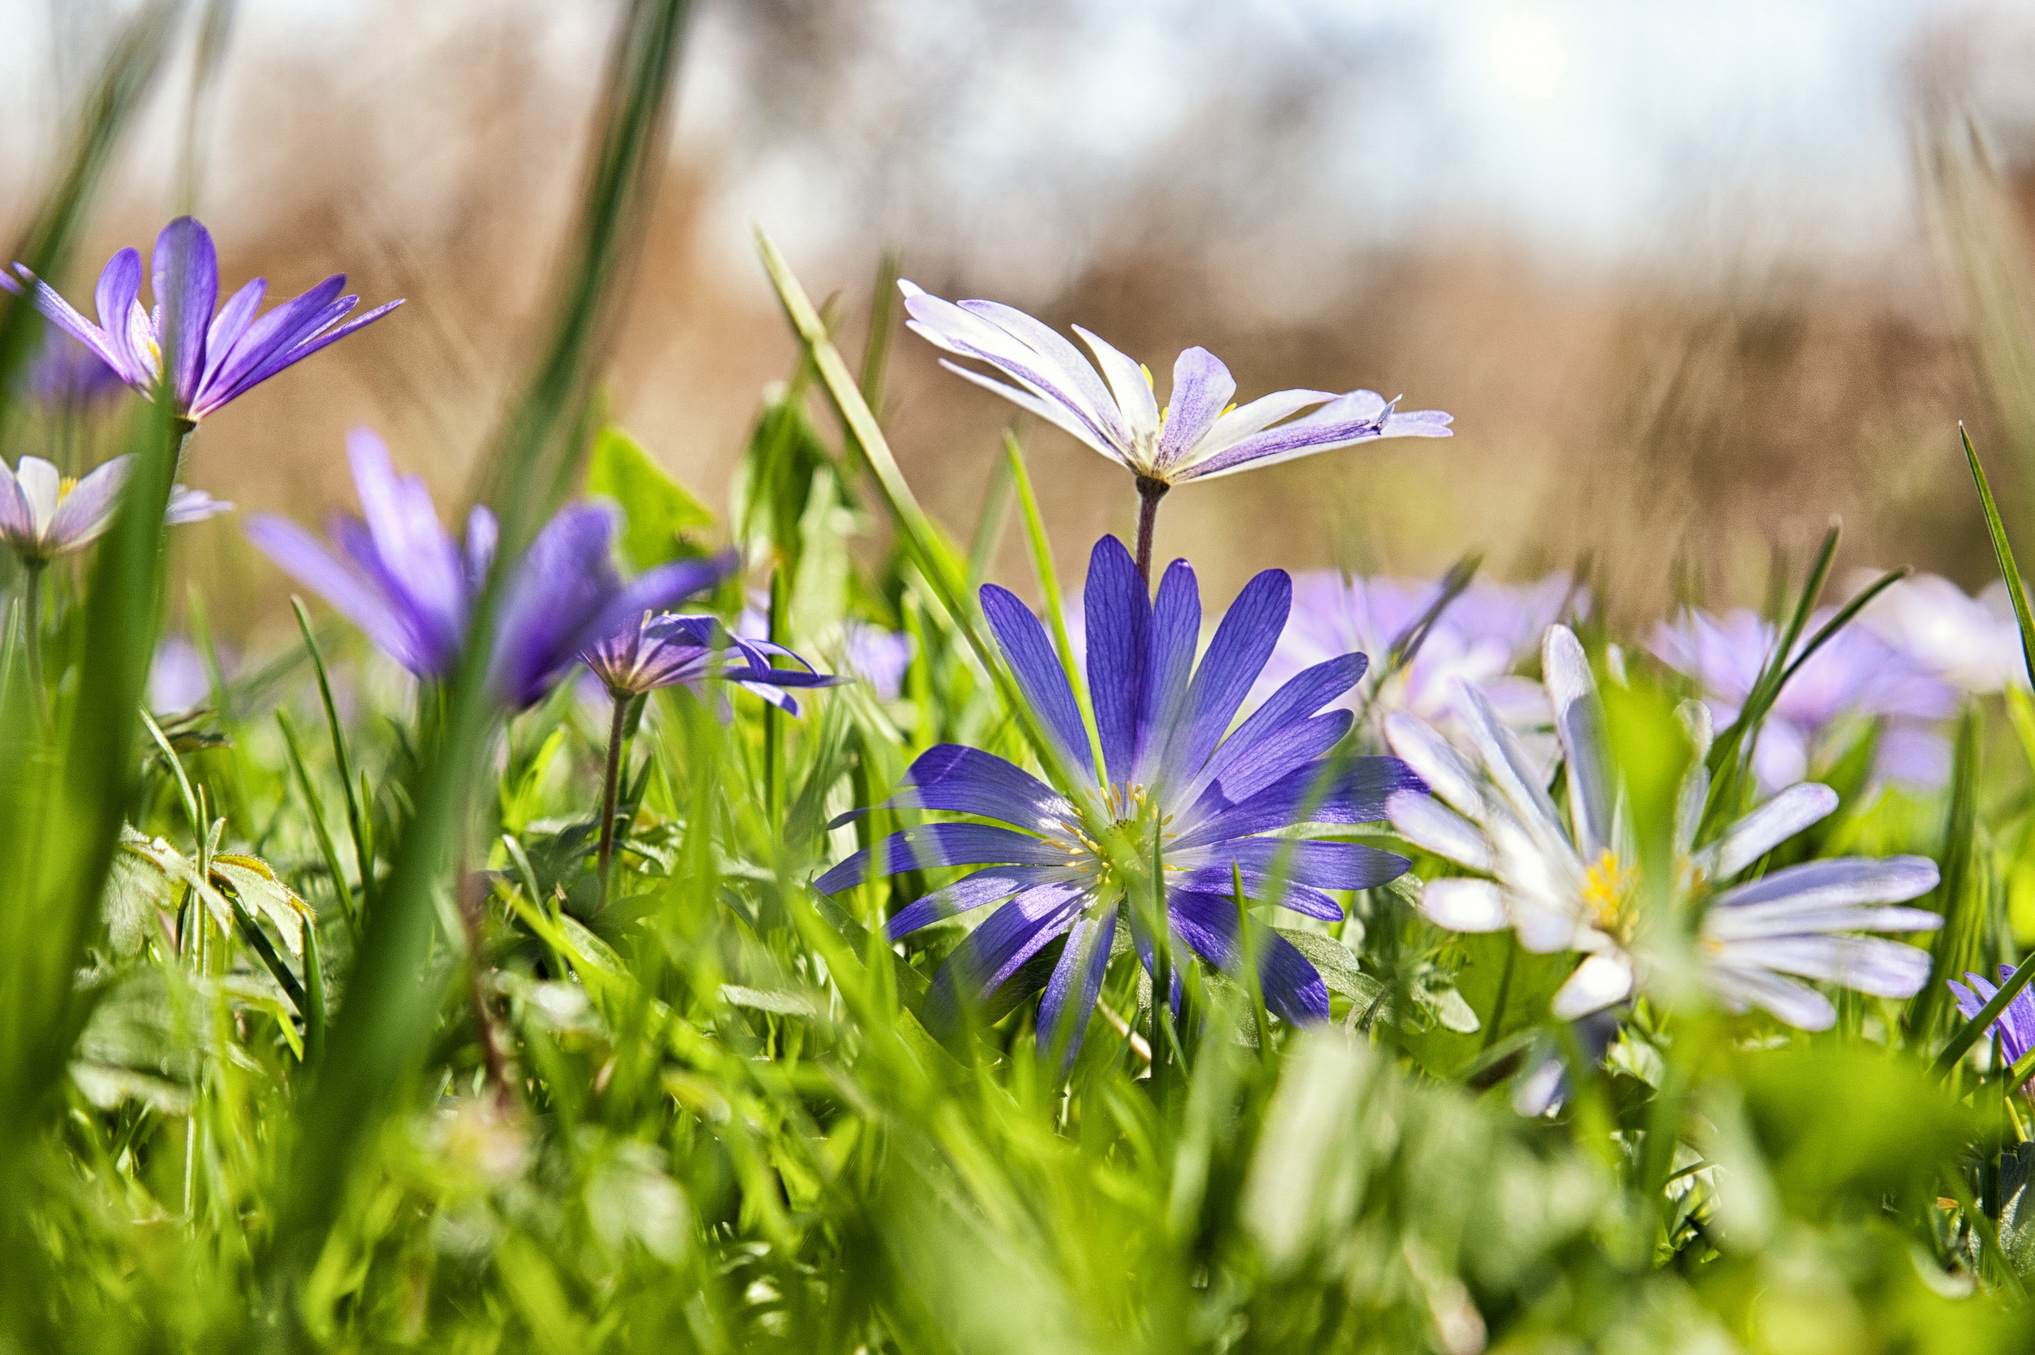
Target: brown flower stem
1150, 491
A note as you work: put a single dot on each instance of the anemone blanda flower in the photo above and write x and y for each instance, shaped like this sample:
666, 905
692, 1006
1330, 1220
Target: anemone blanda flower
2015, 1025
43, 515
665, 649
400, 576
1170, 779
879, 657
1198, 436
1572, 885
1855, 673
1480, 637
64, 374
1972, 643
218, 357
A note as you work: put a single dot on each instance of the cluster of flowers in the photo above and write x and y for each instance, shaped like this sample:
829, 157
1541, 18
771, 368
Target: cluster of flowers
1185, 783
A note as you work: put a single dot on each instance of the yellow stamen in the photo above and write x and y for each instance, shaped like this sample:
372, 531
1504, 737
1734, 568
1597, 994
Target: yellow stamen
1607, 892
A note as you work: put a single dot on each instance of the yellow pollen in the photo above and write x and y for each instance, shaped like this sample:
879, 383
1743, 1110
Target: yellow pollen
1607, 886
66, 485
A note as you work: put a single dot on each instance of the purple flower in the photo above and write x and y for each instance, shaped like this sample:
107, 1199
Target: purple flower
218, 358
177, 678
665, 649
43, 515
1855, 673
879, 657
2015, 1026
67, 375
399, 575
1972, 643
1170, 780
1198, 436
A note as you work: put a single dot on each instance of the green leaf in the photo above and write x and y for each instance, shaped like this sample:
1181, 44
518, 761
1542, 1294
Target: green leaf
658, 511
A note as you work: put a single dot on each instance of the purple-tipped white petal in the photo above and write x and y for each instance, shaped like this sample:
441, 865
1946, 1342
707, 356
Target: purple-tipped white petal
83, 515
1202, 387
42, 486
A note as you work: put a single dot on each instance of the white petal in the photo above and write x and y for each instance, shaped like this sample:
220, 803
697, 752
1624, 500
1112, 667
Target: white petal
1430, 825
1464, 905
1434, 761
1846, 879
42, 484
1882, 968
1579, 723
1789, 919
1255, 417
1599, 981
1133, 392
1766, 828
1795, 1003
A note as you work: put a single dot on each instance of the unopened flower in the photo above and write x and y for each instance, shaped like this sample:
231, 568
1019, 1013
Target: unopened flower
402, 578
217, 358
1197, 436
665, 649
1171, 783
1572, 884
43, 515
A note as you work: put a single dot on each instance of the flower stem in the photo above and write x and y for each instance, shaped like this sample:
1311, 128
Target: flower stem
611, 787
31, 593
1150, 491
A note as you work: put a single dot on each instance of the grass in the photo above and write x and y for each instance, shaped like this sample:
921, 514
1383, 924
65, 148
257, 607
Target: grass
322, 1032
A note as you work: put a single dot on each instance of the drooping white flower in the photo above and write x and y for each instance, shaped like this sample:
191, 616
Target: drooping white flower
1570, 882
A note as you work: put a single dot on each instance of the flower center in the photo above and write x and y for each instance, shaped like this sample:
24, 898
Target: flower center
1607, 893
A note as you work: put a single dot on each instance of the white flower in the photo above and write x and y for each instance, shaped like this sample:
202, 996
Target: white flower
1972, 643
1570, 884
43, 515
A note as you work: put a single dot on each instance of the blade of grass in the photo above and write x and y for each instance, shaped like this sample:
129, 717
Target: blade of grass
1956, 944
2003, 553
314, 808
356, 822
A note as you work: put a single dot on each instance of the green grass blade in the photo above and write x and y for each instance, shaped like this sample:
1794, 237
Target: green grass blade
2003, 553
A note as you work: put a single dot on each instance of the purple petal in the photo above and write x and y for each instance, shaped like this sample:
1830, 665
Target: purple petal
966, 780
119, 288
1324, 865
290, 357
261, 342
1235, 657
17, 519
1291, 984
989, 955
409, 541
1261, 888
230, 326
1294, 703
933, 845
1119, 625
1176, 631
1202, 387
1040, 678
1076, 984
970, 891
307, 560
186, 293
1355, 790
560, 589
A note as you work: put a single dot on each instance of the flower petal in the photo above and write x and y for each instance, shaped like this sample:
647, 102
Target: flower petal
966, 780
186, 283
970, 891
1075, 985
1202, 386
1766, 828
84, 514
1040, 678
1579, 725
933, 845
1464, 905
1599, 981
1118, 619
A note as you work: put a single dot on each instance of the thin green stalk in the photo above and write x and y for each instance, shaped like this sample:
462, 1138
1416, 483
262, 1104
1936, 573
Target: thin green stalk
356, 821
31, 627
611, 787
1247, 951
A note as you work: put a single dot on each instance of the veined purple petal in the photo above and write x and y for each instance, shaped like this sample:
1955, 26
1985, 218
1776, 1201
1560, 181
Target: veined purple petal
966, 780
559, 590
933, 845
1063, 358
110, 345
119, 288
970, 891
1260, 887
189, 505
1119, 624
307, 560
664, 586
1294, 703
1202, 387
1040, 677
1272, 758
1076, 984
1353, 790
1176, 630
408, 539
1252, 418
266, 339
1292, 986
1324, 865
1356, 417
988, 956
290, 357
1044, 373
84, 514
17, 520
230, 326
1235, 657
186, 293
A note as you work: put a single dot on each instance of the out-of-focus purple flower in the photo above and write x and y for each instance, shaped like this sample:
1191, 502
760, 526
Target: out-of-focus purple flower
177, 677
1198, 436
2015, 1026
665, 649
1972, 643
43, 515
65, 374
218, 357
1170, 781
1571, 884
399, 575
1479, 638
879, 657
1855, 673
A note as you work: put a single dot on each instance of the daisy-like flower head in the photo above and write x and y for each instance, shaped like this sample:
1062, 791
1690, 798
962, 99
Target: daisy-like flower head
218, 357
1174, 778
1197, 436
664, 649
1972, 643
395, 572
1855, 673
2015, 1025
1571, 884
43, 515
1479, 637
